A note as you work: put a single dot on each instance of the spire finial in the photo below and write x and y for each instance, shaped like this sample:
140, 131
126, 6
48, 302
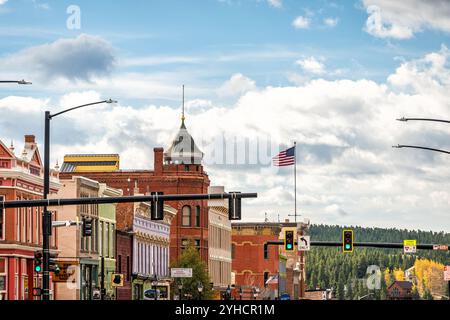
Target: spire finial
182, 112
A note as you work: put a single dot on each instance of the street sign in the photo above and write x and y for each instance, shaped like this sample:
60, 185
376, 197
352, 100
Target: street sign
442, 247
447, 273
304, 243
66, 270
181, 272
409, 246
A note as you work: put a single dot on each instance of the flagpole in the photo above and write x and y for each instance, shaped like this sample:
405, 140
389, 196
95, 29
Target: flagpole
295, 180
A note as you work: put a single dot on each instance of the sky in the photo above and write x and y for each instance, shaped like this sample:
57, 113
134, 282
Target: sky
332, 76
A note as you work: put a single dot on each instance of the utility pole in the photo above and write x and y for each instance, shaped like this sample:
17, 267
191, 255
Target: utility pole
102, 280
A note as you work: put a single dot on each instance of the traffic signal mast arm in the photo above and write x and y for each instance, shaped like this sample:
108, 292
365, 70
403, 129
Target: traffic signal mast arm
355, 244
126, 199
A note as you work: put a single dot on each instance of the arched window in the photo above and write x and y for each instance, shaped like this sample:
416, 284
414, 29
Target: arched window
186, 216
197, 216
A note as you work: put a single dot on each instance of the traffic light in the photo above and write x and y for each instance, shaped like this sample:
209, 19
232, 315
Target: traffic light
157, 207
87, 227
234, 207
347, 241
117, 280
289, 240
37, 292
38, 262
53, 264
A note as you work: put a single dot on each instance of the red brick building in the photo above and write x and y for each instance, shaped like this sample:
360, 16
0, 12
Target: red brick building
21, 178
124, 250
177, 171
251, 269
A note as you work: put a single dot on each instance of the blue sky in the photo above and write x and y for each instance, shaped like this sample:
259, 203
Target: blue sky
331, 75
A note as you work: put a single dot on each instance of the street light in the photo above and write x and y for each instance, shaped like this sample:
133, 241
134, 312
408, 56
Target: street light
403, 119
155, 285
46, 216
200, 290
15, 81
180, 290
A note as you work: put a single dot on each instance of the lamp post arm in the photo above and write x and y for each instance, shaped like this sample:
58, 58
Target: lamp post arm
423, 148
423, 119
82, 106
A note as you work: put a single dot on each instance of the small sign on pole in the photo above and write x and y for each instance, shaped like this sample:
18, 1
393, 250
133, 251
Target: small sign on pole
447, 273
181, 272
441, 247
304, 243
409, 246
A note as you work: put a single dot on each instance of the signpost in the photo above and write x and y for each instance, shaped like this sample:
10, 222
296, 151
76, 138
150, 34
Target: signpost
304, 243
181, 272
409, 246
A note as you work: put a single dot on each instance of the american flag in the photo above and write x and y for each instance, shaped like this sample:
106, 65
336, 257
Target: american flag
272, 280
285, 158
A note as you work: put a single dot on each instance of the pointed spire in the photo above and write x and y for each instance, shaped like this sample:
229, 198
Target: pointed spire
12, 146
57, 166
182, 112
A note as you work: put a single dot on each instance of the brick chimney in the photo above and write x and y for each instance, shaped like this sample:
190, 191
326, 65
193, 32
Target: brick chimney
158, 164
30, 138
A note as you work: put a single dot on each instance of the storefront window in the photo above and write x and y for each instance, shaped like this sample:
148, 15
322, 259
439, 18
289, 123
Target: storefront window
186, 216
3, 269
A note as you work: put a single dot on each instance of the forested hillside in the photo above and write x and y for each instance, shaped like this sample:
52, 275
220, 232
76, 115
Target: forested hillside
347, 273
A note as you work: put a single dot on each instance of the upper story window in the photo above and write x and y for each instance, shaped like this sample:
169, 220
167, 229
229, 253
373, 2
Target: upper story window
197, 216
35, 171
186, 216
4, 164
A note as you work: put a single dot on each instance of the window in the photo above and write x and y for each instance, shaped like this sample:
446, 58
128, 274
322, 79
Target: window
186, 168
119, 264
197, 216
128, 268
233, 251
2, 223
3, 269
186, 218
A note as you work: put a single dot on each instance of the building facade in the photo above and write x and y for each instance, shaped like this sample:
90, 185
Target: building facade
219, 238
21, 178
151, 251
177, 171
83, 255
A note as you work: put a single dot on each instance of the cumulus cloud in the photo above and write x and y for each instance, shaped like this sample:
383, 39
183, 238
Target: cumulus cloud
275, 3
331, 22
402, 19
347, 171
237, 85
311, 65
301, 22
79, 58
3, 2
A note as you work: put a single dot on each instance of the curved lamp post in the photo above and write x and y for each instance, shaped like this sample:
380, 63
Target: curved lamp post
403, 119
15, 81
46, 217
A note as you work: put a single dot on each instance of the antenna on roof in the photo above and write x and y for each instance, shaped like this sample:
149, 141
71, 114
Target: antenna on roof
182, 112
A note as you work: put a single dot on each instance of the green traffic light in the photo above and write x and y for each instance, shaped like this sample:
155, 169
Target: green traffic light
37, 268
289, 246
347, 246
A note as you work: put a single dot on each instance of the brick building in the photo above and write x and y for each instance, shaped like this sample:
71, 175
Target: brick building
21, 178
400, 290
179, 170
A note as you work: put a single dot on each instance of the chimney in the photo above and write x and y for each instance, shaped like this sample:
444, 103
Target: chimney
286, 220
30, 138
158, 164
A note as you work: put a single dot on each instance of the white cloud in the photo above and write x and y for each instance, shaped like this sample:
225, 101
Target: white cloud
311, 65
344, 130
402, 19
237, 85
3, 2
275, 3
301, 22
331, 22
79, 58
